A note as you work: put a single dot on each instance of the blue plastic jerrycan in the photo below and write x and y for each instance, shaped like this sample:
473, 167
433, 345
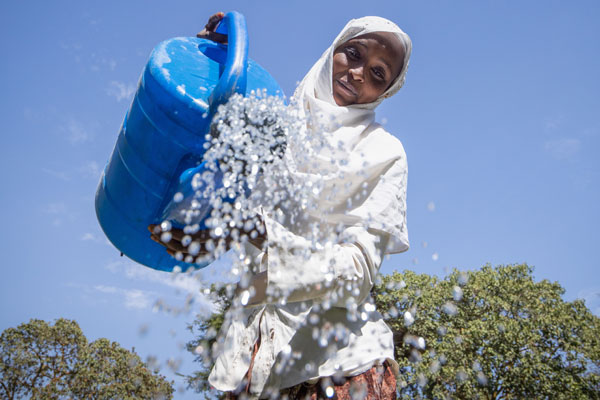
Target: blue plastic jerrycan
161, 142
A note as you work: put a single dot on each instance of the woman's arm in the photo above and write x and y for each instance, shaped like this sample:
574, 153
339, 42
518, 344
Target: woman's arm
341, 272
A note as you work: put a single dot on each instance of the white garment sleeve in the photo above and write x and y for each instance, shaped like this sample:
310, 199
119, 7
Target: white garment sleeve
343, 273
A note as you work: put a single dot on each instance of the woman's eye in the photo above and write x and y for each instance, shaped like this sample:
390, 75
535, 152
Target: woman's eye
379, 73
353, 53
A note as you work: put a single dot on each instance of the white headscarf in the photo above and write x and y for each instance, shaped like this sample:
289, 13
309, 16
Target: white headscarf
359, 169
319, 78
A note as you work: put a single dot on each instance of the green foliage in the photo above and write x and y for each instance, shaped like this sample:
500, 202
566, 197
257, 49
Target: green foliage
491, 334
206, 331
39, 360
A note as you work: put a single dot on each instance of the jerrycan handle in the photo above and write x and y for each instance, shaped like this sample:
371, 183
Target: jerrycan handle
233, 79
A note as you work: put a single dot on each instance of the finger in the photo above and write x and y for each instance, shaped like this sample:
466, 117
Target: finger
180, 240
214, 20
177, 234
215, 37
172, 244
180, 234
202, 235
153, 228
156, 239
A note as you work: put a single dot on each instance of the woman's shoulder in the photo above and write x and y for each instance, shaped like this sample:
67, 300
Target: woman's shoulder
386, 145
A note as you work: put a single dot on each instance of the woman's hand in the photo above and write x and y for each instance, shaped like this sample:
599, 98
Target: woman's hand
201, 244
181, 245
209, 29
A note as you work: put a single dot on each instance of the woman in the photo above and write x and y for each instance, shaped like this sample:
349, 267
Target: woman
304, 324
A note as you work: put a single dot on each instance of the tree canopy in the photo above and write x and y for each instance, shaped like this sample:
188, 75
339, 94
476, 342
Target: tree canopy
39, 360
490, 334
493, 333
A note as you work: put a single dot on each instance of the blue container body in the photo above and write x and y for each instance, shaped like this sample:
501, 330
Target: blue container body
163, 136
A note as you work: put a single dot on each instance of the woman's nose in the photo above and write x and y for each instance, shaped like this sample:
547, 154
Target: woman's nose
357, 73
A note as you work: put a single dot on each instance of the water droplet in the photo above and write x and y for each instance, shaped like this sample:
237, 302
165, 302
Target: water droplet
450, 309
434, 367
165, 237
143, 330
457, 293
408, 319
309, 367
461, 376
245, 297
165, 226
482, 379
186, 240
191, 229
323, 341
194, 248
329, 392
415, 356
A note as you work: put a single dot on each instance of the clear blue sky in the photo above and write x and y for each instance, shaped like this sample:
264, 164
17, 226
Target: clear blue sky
499, 118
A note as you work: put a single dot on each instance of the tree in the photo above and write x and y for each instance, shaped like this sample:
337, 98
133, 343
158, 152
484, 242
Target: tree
490, 334
39, 360
493, 333
206, 330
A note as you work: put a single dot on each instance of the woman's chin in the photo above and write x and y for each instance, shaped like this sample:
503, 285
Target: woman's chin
342, 100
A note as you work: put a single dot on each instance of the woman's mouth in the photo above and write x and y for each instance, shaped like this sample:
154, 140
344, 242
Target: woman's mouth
346, 87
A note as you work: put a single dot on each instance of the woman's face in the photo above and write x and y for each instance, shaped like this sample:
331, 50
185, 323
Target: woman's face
364, 67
